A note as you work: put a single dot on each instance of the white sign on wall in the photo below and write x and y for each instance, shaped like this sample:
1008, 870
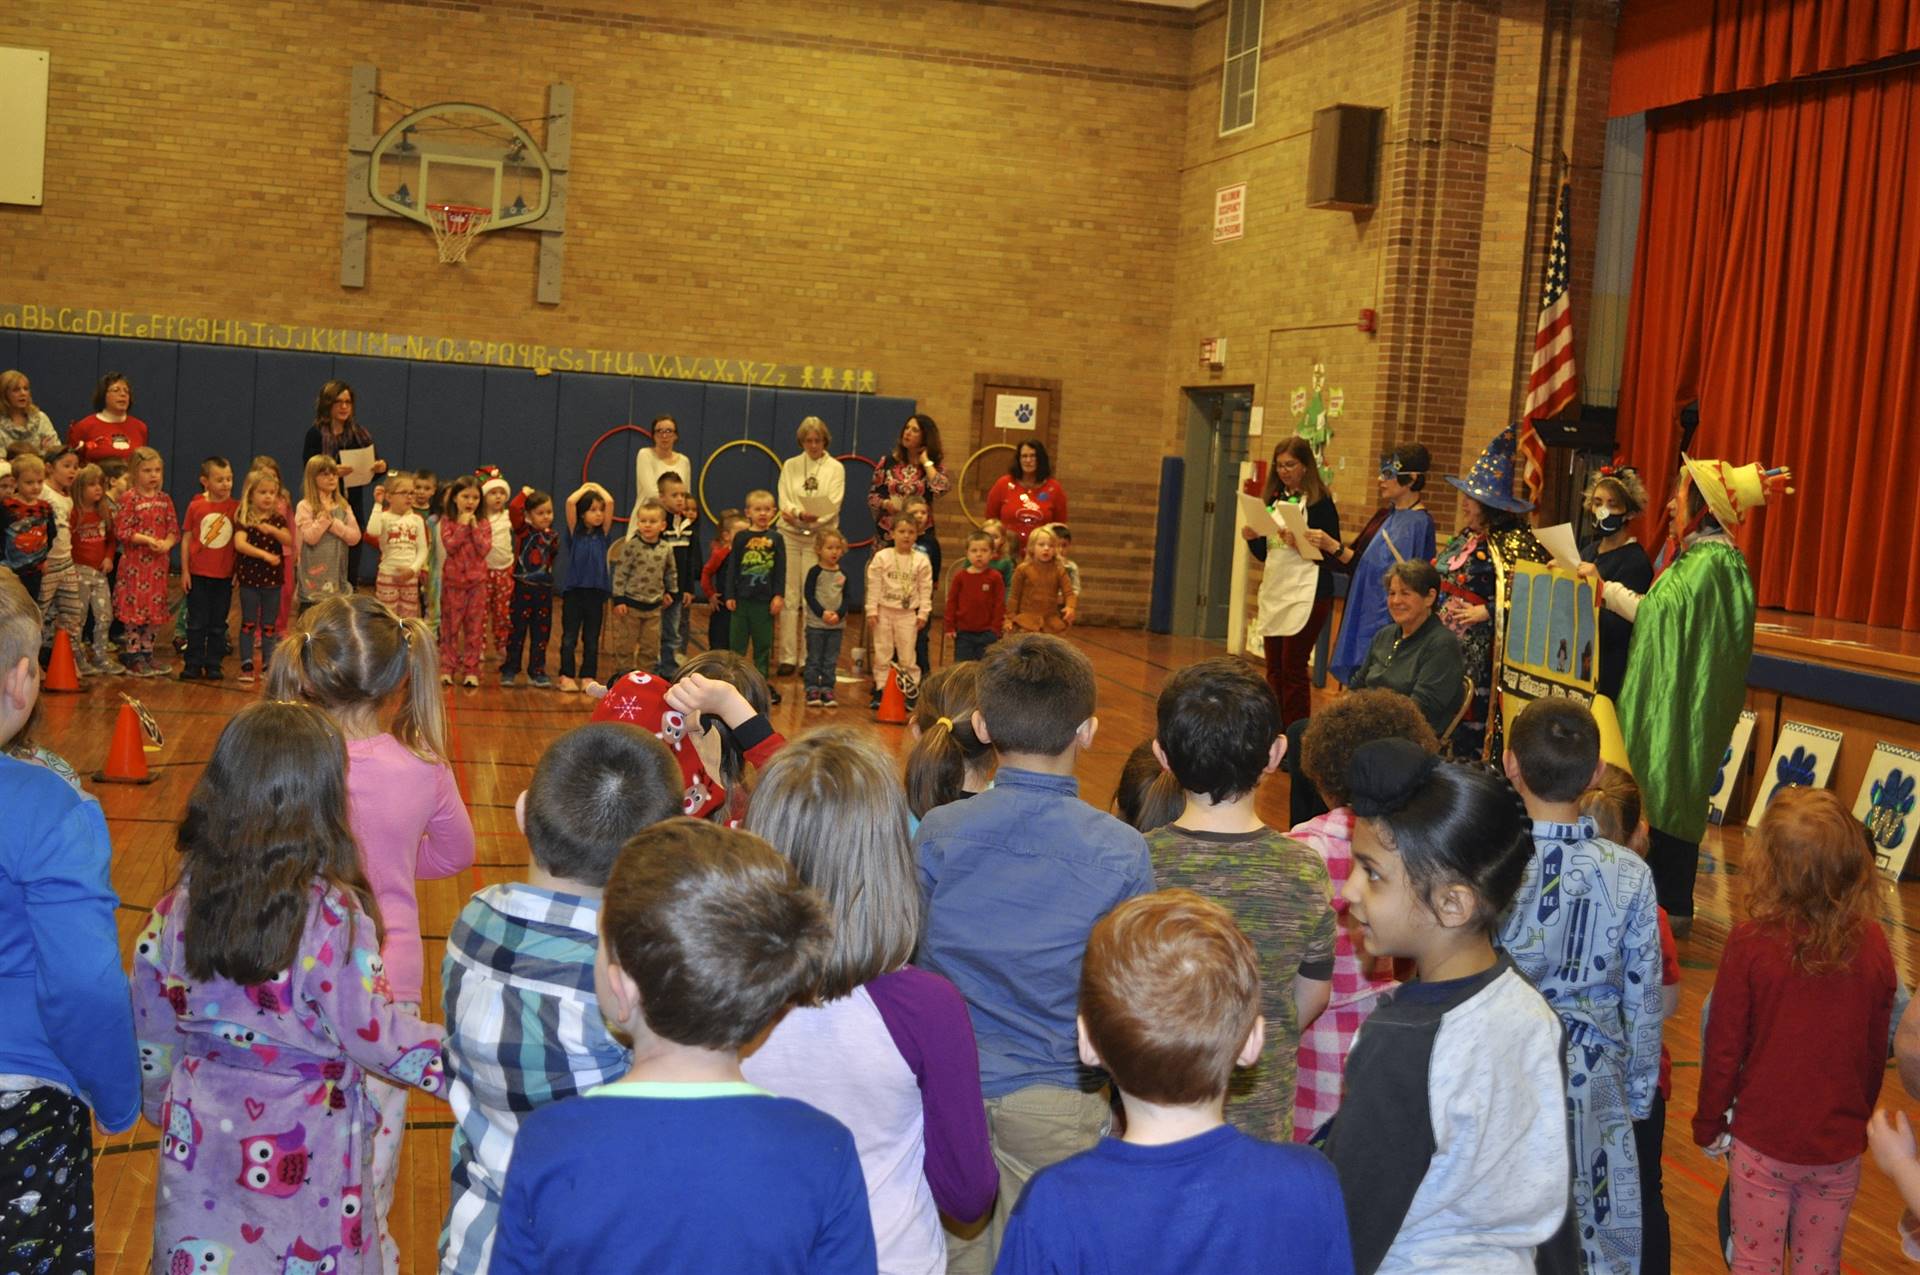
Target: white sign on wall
1229, 212
1015, 411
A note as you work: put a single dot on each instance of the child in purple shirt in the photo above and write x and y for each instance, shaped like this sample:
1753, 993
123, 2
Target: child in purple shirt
889, 1052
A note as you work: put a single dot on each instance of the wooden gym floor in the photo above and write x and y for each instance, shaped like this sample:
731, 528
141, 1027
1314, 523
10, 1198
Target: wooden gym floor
499, 735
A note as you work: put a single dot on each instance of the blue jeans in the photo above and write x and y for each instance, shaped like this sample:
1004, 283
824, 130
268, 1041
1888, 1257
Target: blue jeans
973, 645
259, 615
823, 657
673, 636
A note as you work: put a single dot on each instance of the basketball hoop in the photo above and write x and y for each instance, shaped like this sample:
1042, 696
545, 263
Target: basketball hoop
454, 226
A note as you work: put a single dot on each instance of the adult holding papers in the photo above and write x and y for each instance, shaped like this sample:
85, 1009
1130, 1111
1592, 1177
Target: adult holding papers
1296, 589
811, 489
1400, 530
1469, 575
338, 435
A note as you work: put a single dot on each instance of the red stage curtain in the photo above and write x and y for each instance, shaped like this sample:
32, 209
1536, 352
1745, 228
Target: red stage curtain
1672, 51
1778, 281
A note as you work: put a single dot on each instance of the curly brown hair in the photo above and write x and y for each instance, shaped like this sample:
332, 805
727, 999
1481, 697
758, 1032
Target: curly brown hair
1810, 876
1356, 718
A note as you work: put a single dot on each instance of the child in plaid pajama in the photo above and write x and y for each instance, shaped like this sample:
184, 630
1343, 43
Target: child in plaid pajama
519, 964
1359, 980
466, 538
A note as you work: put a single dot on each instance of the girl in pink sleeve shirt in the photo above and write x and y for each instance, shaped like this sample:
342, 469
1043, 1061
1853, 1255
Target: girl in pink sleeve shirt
374, 674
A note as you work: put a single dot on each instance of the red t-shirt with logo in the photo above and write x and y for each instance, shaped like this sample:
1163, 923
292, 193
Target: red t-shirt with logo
97, 440
208, 531
92, 538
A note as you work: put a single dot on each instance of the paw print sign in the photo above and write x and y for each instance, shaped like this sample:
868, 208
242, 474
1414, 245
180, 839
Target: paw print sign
1890, 803
1024, 413
1796, 770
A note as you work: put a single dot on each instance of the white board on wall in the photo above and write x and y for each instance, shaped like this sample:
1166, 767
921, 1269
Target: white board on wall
1802, 759
23, 125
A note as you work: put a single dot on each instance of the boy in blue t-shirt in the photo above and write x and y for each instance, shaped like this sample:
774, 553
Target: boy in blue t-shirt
706, 935
1170, 1005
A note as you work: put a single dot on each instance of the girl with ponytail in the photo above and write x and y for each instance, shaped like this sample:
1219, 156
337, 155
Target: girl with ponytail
1451, 1143
948, 760
375, 675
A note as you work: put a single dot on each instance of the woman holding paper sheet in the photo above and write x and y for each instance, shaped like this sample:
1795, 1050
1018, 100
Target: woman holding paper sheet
1400, 530
1295, 593
812, 487
335, 429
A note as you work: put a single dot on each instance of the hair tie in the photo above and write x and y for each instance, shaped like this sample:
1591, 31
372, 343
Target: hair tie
944, 721
1385, 774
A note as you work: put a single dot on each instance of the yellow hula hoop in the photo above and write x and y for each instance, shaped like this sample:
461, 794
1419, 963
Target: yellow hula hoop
701, 489
960, 483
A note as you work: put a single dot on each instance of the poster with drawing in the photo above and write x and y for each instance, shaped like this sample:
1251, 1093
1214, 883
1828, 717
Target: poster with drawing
1885, 805
1730, 763
1802, 759
1552, 636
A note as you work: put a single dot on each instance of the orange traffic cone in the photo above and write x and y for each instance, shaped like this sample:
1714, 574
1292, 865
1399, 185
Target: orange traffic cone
62, 675
127, 757
893, 703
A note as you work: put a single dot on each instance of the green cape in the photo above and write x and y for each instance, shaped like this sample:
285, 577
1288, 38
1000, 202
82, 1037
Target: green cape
1686, 681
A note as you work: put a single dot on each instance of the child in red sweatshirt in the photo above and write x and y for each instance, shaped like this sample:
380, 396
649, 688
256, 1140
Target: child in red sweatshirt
976, 601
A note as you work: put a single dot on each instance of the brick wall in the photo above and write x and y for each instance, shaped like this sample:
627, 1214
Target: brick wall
932, 190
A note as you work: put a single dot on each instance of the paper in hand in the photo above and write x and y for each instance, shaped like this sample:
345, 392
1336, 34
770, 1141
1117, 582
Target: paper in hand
1254, 510
1558, 541
360, 461
1295, 520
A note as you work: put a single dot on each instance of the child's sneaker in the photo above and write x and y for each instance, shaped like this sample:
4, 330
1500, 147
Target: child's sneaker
189, 674
508, 679
567, 684
813, 698
540, 680
246, 675
471, 682
110, 666
827, 700
773, 695
593, 689
446, 679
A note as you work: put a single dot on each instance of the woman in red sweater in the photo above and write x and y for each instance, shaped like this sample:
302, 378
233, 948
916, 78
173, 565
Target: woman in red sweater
1797, 1038
110, 433
1028, 496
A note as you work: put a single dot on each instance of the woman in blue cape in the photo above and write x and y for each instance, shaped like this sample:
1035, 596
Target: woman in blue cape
1400, 529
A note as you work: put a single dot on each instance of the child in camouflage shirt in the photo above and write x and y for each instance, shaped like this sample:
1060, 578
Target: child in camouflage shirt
1218, 732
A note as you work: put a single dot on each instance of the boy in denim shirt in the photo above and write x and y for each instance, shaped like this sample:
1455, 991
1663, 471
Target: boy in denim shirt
1015, 878
522, 954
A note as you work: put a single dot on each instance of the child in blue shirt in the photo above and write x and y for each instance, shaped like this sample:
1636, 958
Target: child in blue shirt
588, 583
1170, 1005
706, 935
1015, 878
66, 1021
523, 1027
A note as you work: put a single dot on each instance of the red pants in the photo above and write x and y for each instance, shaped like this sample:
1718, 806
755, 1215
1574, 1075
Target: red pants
1287, 659
463, 628
1772, 1199
500, 606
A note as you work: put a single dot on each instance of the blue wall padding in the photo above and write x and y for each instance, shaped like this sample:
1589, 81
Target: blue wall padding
451, 418
1166, 544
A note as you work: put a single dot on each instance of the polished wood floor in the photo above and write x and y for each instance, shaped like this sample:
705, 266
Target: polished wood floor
499, 734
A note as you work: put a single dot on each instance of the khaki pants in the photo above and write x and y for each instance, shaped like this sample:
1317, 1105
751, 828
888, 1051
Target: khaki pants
1031, 1128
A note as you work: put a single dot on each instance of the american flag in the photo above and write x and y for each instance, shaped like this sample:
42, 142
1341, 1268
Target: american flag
1552, 384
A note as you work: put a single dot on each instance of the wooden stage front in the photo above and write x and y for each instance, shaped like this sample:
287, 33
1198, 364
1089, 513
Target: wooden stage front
500, 734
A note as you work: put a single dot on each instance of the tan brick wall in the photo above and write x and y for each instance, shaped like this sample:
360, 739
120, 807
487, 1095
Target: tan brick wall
931, 189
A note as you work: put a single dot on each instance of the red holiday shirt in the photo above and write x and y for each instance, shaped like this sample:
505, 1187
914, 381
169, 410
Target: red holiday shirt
92, 538
208, 532
97, 440
977, 602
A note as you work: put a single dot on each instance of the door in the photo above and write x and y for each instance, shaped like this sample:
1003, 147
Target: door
1216, 447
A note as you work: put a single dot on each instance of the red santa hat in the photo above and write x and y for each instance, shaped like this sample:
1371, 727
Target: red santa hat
491, 477
640, 699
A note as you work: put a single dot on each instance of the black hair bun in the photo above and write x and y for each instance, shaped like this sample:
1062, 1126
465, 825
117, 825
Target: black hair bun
1384, 776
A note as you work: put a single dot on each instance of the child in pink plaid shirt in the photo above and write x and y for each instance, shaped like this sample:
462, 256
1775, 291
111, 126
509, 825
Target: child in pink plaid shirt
1358, 979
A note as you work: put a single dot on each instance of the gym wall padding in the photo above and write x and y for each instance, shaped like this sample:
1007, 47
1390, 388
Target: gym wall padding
199, 400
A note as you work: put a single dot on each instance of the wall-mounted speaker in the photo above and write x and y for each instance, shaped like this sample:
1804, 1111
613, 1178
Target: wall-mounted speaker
1344, 157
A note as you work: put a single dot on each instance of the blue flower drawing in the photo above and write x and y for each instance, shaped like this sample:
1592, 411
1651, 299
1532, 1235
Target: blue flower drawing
1794, 771
1891, 801
1720, 776
1024, 413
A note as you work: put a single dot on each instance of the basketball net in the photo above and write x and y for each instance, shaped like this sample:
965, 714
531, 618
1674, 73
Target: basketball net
454, 227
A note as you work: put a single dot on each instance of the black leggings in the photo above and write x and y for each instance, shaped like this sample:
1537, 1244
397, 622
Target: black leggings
1675, 863
581, 612
932, 542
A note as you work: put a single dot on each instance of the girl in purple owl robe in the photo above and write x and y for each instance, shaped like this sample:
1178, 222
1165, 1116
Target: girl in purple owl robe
261, 1011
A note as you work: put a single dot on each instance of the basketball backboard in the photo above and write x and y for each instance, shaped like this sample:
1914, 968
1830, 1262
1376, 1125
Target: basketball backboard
465, 155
